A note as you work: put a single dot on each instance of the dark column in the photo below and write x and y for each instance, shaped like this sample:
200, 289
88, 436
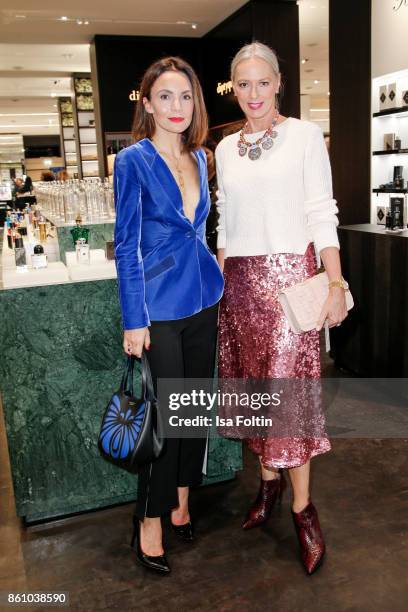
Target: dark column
277, 24
350, 107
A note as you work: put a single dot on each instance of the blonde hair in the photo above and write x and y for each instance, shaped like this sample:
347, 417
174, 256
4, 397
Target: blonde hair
256, 49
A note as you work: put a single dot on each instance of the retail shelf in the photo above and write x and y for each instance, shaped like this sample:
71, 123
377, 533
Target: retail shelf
402, 111
392, 152
390, 190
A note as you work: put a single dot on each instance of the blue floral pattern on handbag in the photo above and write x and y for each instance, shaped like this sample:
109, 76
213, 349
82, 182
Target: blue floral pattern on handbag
129, 435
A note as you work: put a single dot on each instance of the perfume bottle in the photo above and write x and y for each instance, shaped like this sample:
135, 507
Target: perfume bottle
43, 231
398, 177
39, 258
82, 251
20, 254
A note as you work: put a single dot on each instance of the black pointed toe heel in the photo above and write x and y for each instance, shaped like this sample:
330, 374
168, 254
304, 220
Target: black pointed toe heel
185, 532
158, 564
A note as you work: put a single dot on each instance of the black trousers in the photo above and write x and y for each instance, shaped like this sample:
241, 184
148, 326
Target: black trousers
184, 348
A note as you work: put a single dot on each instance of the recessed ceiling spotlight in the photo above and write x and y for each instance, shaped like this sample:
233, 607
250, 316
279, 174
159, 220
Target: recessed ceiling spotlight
79, 21
328, 93
53, 95
316, 82
304, 60
55, 106
86, 22
194, 26
64, 18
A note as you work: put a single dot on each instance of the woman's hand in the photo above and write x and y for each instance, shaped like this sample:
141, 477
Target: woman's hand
334, 309
135, 339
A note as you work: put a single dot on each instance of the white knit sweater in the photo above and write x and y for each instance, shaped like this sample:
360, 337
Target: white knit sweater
282, 201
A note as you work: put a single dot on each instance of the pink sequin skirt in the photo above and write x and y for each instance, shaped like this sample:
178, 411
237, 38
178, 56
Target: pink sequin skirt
256, 342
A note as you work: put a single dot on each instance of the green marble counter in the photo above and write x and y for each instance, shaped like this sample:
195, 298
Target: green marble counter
60, 360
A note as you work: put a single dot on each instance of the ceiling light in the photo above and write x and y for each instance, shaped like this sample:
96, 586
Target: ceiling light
64, 18
328, 93
55, 106
53, 95
316, 82
86, 22
319, 110
194, 26
181, 22
79, 21
304, 60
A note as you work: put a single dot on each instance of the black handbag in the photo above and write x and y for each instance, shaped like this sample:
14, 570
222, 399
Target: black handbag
130, 429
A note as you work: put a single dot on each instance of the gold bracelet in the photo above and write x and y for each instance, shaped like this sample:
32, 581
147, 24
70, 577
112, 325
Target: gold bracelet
338, 283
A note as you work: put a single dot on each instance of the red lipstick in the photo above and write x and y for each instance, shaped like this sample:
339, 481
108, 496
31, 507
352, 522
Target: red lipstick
176, 119
255, 105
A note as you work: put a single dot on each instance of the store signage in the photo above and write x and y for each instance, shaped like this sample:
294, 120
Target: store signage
224, 88
400, 3
134, 95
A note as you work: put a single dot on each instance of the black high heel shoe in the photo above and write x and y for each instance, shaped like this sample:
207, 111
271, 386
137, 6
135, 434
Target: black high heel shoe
158, 564
185, 532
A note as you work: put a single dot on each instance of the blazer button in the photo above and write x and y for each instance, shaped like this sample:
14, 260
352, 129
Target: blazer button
189, 234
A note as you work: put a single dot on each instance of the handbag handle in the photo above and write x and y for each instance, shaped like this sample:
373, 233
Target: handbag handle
127, 378
147, 382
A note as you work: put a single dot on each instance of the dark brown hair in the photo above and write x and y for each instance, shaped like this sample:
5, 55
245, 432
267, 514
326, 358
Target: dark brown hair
143, 122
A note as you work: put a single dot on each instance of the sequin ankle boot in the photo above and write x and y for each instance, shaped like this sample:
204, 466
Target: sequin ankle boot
269, 492
309, 533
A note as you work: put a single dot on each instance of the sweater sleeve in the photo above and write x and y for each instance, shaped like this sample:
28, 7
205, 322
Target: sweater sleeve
320, 207
220, 203
129, 262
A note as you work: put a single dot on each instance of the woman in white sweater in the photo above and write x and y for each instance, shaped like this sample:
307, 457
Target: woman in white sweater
276, 210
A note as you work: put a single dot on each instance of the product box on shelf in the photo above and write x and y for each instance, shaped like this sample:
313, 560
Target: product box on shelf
398, 211
382, 97
389, 142
381, 214
392, 95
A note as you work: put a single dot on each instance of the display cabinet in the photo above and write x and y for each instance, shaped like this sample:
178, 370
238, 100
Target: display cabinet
69, 149
389, 145
84, 123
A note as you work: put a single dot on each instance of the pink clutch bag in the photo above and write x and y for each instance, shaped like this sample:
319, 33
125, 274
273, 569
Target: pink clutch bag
302, 303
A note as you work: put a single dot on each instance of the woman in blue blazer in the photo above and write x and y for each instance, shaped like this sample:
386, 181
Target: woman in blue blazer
169, 281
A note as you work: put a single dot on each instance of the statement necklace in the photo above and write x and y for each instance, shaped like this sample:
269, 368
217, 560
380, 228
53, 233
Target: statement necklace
266, 141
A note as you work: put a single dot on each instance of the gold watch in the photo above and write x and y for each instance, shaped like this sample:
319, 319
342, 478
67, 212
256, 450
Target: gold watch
339, 283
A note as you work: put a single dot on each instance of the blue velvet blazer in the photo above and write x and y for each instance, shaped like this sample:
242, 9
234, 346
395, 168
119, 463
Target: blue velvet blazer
165, 269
